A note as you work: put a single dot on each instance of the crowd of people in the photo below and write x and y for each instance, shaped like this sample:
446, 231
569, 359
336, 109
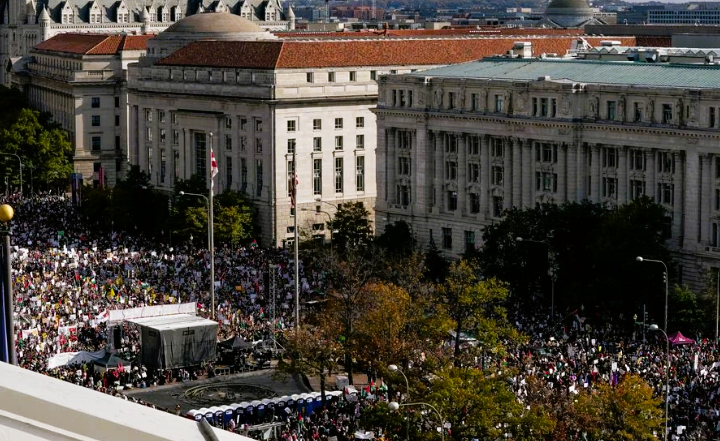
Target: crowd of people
67, 277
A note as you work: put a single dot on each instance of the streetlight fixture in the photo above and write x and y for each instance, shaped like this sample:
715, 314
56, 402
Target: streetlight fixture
211, 245
665, 278
551, 272
395, 368
394, 405
8, 343
667, 376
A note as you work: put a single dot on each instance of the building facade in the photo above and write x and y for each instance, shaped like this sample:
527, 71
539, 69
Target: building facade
483, 137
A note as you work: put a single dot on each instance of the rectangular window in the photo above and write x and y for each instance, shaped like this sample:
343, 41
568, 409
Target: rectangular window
117, 101
258, 125
149, 134
546, 182
447, 238
243, 175
544, 108
609, 187
637, 112
162, 135
373, 75
161, 116
353, 75
317, 124
243, 124
338, 143
317, 176
496, 176
258, 177
228, 142
338, 123
291, 145
338, 175
474, 203
637, 160
473, 146
317, 144
258, 145
717, 199
173, 118
452, 199
95, 120
150, 161
243, 143
497, 148
535, 107
610, 157
228, 122
711, 117
497, 206
474, 102
360, 173
309, 77
291, 125
667, 115
360, 141
715, 234
717, 167
498, 103
666, 162
95, 102
163, 165
450, 170
331, 77
404, 166
451, 100
451, 143
117, 120
96, 143
637, 189
611, 106
403, 195
201, 154
553, 107
228, 172
117, 142
469, 241
359, 122
473, 172
665, 193
546, 153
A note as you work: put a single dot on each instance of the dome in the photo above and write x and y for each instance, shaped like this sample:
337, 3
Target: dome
213, 23
574, 5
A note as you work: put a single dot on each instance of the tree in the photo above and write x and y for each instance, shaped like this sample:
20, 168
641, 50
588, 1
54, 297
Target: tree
398, 239
352, 228
686, 315
475, 305
234, 218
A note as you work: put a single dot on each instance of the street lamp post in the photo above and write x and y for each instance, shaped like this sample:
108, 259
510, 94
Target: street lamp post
211, 244
394, 405
395, 368
667, 376
8, 343
551, 272
21, 167
665, 277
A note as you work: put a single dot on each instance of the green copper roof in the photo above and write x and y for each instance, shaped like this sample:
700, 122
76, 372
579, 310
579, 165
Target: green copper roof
581, 71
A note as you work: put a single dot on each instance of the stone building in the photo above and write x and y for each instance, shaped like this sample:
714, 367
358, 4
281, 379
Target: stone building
483, 137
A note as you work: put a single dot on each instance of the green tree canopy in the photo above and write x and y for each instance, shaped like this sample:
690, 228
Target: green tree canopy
352, 228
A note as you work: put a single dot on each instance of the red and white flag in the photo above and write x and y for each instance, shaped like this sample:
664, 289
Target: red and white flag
293, 188
213, 168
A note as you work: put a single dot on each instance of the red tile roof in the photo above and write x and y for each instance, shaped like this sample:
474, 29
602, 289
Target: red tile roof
408, 33
94, 44
346, 53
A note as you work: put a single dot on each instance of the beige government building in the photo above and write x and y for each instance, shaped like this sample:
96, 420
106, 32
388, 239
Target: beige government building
458, 145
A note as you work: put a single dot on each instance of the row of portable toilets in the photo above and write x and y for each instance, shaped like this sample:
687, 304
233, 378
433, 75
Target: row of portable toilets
263, 411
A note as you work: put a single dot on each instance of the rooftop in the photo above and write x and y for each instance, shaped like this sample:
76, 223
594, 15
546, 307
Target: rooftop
592, 72
214, 23
325, 53
94, 44
174, 321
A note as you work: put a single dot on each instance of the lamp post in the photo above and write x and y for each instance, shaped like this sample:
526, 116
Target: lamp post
394, 405
665, 278
21, 168
8, 343
211, 244
667, 376
329, 220
395, 368
551, 272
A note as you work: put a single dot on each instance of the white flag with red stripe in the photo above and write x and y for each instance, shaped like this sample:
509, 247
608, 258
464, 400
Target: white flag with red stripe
213, 168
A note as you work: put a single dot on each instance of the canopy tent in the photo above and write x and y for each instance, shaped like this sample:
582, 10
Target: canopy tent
235, 343
73, 358
679, 339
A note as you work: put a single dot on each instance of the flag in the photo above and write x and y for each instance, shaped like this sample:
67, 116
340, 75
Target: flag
293, 187
213, 168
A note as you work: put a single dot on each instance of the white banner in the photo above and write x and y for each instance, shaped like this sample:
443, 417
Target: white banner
119, 315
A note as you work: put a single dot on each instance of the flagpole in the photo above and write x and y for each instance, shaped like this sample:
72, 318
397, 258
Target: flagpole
211, 227
295, 242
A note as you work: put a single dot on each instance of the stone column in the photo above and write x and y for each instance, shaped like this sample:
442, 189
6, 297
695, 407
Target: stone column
707, 199
381, 161
594, 194
390, 162
527, 174
507, 173
691, 212
462, 173
420, 170
622, 175
439, 169
134, 136
651, 174
516, 172
484, 174
561, 170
